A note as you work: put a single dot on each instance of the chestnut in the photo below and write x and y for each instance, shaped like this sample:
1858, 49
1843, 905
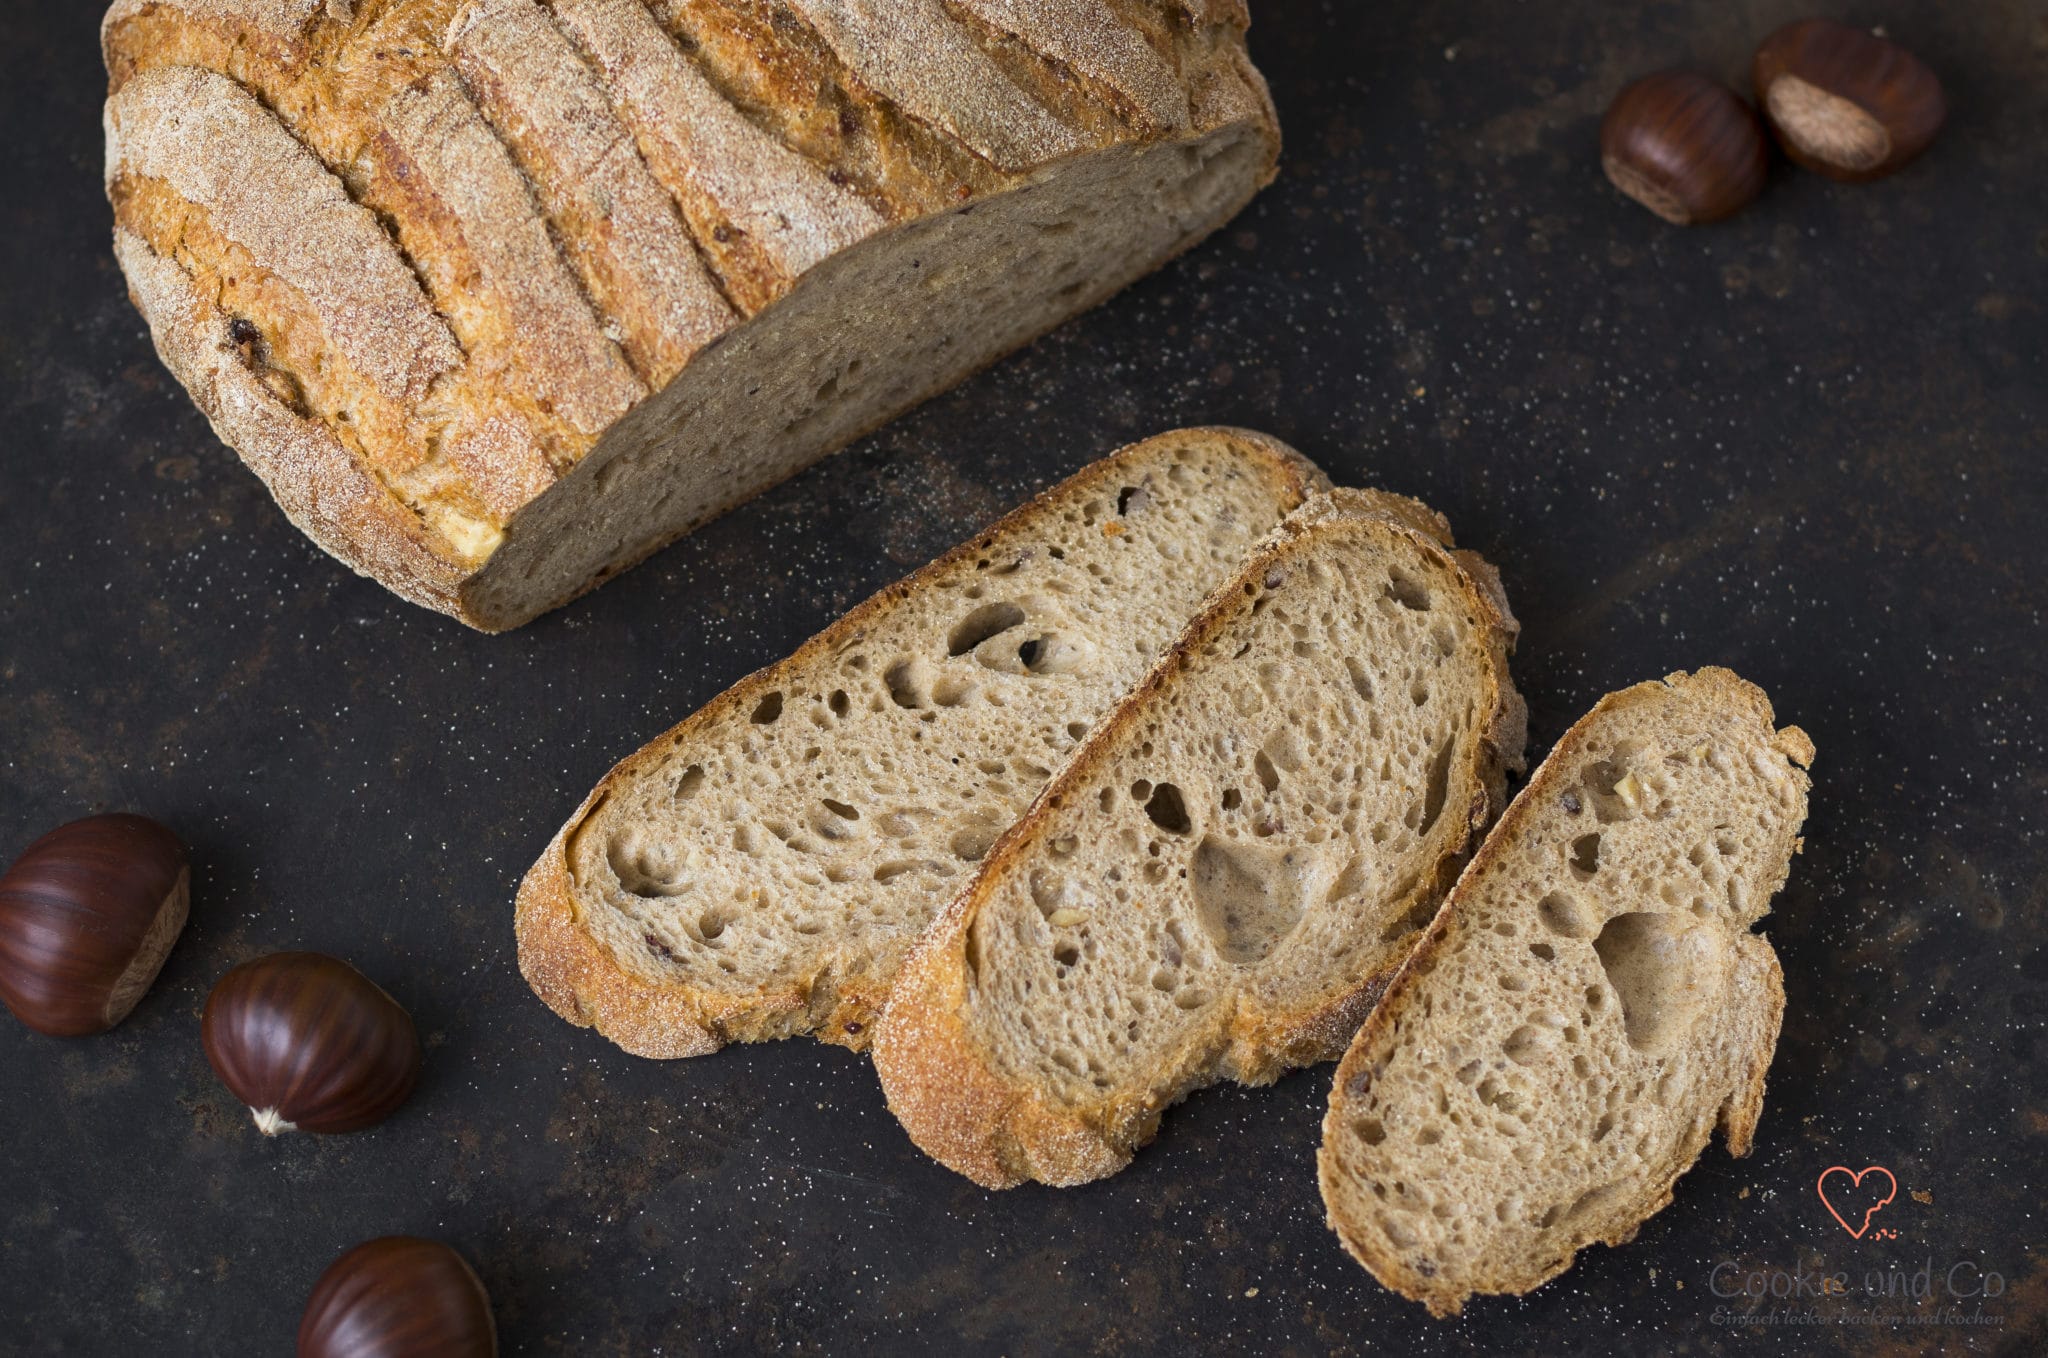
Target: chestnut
398, 1297
310, 1043
1685, 147
87, 915
1844, 102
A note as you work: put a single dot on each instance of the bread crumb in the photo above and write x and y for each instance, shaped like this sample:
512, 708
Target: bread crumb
1922, 1196
1251, 1291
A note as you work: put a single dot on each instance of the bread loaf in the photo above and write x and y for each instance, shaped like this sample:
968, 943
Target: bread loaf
1587, 1008
761, 869
498, 296
1219, 882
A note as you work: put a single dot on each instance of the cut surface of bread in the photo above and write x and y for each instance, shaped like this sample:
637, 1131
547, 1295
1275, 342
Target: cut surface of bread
1587, 1007
499, 296
760, 870
1217, 885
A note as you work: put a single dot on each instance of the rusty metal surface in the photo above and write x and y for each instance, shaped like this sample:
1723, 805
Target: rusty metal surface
1809, 444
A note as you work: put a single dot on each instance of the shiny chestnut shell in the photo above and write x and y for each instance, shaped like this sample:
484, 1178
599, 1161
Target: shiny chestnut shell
87, 915
1844, 102
398, 1297
309, 1042
1685, 147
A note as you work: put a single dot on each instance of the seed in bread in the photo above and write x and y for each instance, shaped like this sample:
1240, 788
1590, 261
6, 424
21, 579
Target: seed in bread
1587, 1008
1217, 885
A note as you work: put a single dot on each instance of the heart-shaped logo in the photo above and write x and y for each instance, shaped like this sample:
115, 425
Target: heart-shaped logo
1850, 1197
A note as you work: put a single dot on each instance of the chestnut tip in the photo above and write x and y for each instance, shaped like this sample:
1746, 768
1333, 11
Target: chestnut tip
310, 1044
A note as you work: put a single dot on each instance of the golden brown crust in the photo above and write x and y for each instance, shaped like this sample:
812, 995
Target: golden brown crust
805, 130
219, 149
634, 255
319, 484
761, 212
652, 1015
1004, 1130
1737, 1118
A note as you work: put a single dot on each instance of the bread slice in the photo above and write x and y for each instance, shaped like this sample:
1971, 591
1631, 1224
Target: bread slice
762, 868
1587, 1007
499, 296
1219, 882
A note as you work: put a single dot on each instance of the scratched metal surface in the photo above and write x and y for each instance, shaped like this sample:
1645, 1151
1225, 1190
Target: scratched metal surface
1808, 444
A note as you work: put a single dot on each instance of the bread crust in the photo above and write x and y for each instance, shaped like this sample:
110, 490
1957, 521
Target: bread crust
648, 1015
969, 104
1737, 1117
322, 488
1001, 1131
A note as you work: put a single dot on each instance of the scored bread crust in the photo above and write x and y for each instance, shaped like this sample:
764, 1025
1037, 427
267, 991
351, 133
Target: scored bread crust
1760, 981
584, 981
878, 127
1001, 1130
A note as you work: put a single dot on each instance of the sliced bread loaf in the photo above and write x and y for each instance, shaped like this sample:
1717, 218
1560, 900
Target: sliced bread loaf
761, 869
1586, 1008
1218, 883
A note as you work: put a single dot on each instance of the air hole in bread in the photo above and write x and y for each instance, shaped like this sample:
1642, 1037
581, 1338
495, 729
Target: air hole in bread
1405, 590
1066, 954
1663, 968
951, 691
768, 709
688, 785
1593, 1199
1232, 799
644, 868
1268, 776
1360, 680
840, 809
906, 682
1167, 809
1565, 916
1350, 881
1585, 856
1416, 916
1247, 898
1528, 1044
972, 843
892, 869
1439, 784
839, 702
1544, 951
989, 620
1048, 891
1611, 784
1132, 500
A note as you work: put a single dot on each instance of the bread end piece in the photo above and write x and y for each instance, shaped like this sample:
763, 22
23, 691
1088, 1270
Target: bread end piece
1747, 1019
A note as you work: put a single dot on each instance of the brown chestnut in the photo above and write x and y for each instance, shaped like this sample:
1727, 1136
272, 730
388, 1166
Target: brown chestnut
398, 1297
310, 1044
87, 915
1685, 147
1844, 102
